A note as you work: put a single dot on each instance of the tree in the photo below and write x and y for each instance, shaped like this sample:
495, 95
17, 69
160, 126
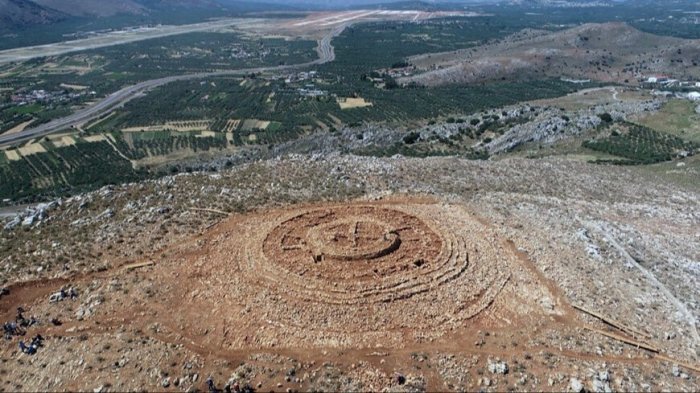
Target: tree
411, 138
390, 83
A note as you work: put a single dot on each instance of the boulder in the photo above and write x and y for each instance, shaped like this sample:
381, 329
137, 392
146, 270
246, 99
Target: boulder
498, 367
575, 385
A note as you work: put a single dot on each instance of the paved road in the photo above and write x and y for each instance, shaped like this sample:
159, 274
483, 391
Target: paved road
325, 51
11, 211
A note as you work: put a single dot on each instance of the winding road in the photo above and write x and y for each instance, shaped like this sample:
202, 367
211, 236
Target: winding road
325, 51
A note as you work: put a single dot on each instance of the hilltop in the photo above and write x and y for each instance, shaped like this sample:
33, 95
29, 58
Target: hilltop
15, 13
609, 52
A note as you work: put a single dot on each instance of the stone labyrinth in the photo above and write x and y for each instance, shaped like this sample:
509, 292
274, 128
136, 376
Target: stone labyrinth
345, 273
359, 254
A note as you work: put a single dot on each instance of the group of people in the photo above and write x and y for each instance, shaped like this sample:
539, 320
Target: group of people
71, 293
33, 346
11, 329
19, 325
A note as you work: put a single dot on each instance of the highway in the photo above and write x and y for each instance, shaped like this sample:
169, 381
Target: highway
325, 51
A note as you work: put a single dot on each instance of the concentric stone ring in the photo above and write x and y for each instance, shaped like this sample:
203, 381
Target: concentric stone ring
355, 273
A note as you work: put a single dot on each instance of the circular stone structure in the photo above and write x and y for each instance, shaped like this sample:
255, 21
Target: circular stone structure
353, 274
361, 250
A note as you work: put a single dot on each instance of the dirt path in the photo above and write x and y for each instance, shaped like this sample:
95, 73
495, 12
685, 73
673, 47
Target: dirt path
680, 306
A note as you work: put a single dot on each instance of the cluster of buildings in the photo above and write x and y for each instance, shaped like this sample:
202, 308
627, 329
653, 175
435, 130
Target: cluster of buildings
670, 82
664, 81
397, 72
311, 91
239, 52
692, 96
45, 96
301, 77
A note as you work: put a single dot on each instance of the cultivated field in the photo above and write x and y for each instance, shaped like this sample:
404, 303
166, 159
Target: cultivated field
174, 125
676, 118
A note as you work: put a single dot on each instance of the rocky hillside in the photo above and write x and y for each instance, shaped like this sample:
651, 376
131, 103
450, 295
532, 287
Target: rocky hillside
611, 52
17, 13
92, 7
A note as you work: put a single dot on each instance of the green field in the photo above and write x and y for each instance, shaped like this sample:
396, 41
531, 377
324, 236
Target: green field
25, 109
274, 126
636, 144
64, 170
677, 117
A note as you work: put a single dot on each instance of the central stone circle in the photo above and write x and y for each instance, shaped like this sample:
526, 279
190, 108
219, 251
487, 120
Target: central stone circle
379, 242
353, 239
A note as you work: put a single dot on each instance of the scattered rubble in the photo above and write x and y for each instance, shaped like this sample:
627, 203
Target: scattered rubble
575, 385
34, 215
498, 367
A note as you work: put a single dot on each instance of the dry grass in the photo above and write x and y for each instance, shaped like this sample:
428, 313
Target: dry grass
350, 103
13, 155
95, 138
31, 148
255, 124
677, 117
206, 134
74, 87
19, 127
64, 141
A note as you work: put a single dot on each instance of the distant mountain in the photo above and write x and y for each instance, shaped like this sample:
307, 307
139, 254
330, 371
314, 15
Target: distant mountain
15, 13
98, 8
159, 5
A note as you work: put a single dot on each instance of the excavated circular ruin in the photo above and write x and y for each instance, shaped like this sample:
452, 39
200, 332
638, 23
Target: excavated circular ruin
355, 254
352, 273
